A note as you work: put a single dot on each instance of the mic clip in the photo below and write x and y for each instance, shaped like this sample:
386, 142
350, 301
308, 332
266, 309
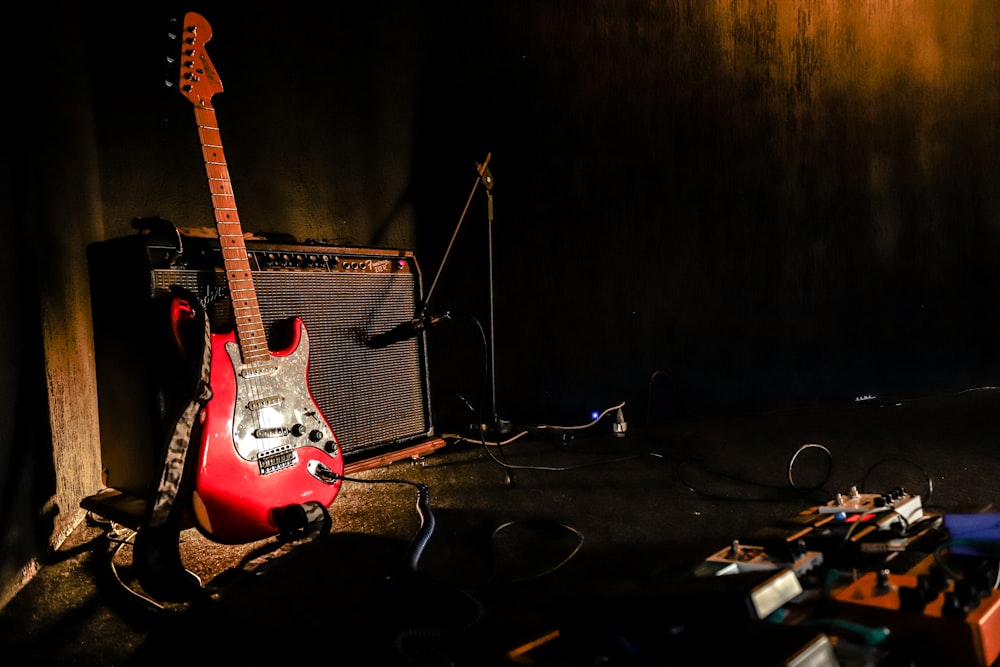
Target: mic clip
424, 322
405, 330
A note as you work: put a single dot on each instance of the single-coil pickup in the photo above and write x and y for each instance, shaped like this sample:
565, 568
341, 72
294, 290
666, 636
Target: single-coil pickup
276, 459
261, 403
276, 432
257, 371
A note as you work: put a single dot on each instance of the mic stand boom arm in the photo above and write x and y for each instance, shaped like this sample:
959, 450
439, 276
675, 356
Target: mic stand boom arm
484, 175
421, 320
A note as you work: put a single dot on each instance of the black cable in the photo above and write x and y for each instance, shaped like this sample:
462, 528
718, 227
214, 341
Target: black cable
777, 497
427, 521
416, 645
927, 478
795, 456
499, 530
673, 393
798, 492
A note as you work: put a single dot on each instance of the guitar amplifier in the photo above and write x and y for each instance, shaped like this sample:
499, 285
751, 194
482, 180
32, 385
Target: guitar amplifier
376, 399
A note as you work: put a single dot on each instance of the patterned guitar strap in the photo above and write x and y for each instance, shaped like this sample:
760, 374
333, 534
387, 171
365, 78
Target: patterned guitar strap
159, 566
157, 557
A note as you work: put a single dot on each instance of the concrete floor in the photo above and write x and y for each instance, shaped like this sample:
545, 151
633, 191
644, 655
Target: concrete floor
558, 548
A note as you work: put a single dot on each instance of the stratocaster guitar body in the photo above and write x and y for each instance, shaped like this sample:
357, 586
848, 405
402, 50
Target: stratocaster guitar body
265, 445
266, 448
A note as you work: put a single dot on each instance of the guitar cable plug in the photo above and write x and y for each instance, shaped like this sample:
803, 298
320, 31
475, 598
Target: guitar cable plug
619, 426
323, 473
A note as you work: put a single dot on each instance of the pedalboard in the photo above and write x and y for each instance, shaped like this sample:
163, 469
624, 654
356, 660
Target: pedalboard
870, 523
909, 601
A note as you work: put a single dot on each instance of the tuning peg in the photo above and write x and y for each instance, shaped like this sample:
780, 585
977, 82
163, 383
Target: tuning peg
172, 28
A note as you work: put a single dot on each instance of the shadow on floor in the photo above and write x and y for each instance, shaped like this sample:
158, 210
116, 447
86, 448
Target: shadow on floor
575, 553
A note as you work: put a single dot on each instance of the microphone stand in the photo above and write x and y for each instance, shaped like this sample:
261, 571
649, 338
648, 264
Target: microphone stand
499, 426
496, 426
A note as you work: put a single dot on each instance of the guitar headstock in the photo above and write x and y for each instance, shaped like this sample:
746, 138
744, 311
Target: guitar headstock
197, 78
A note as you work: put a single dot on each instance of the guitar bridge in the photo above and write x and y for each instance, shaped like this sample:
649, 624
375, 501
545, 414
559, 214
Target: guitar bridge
276, 459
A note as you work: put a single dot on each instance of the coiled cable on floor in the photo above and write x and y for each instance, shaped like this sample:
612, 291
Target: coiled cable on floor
791, 467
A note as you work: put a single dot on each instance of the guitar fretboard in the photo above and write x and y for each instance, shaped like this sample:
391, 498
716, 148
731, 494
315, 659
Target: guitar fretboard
246, 310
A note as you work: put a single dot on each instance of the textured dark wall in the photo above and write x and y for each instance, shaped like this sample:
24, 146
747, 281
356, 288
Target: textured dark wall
749, 204
753, 203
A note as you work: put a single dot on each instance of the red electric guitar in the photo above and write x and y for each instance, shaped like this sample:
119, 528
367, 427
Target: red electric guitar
266, 449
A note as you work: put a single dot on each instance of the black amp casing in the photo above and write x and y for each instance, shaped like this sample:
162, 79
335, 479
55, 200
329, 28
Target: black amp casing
376, 399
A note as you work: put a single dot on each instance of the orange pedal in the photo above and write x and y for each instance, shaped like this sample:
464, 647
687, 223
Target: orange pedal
970, 639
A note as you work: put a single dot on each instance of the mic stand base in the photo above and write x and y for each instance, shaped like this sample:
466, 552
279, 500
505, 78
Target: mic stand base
495, 431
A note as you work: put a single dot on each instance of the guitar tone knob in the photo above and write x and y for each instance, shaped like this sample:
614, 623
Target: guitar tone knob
316, 436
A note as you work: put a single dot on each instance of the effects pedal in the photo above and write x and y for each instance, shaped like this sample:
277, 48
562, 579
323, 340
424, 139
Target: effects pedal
907, 508
929, 614
729, 594
746, 558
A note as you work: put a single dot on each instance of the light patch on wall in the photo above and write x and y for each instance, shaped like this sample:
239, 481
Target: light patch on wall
868, 43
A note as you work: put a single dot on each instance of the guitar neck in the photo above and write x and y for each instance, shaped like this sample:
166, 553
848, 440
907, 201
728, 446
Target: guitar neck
246, 309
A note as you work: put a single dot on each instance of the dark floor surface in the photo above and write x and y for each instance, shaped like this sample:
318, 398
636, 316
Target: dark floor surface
586, 543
